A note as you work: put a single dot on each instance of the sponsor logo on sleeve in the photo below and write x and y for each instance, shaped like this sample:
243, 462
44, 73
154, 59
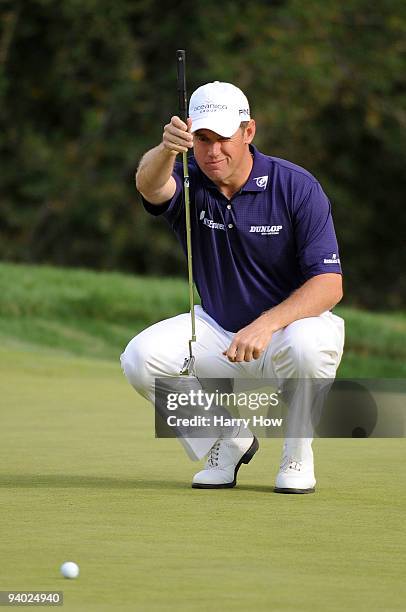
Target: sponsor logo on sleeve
333, 260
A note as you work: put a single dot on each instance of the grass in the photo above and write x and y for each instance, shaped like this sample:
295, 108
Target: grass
83, 479
95, 314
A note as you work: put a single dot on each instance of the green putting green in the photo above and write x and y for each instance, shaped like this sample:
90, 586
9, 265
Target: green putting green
83, 479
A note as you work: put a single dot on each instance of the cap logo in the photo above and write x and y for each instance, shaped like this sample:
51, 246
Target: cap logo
209, 107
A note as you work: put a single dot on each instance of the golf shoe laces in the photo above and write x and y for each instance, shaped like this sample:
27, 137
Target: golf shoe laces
291, 464
213, 456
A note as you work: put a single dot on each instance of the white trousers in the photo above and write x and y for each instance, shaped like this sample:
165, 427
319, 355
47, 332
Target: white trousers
307, 348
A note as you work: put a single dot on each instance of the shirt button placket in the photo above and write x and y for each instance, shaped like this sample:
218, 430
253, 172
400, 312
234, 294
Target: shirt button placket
229, 225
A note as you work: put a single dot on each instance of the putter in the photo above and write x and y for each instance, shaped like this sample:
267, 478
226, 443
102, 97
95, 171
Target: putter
188, 368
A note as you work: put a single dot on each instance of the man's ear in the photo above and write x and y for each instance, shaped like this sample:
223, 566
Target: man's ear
249, 132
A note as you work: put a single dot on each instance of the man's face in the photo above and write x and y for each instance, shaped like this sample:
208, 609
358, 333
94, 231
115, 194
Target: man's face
221, 158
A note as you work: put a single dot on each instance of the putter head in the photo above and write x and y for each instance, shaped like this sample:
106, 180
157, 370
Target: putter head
188, 368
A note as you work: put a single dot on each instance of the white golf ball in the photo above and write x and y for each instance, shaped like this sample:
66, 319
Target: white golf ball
69, 569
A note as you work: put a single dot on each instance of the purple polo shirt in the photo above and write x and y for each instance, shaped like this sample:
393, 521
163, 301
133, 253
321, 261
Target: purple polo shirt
252, 251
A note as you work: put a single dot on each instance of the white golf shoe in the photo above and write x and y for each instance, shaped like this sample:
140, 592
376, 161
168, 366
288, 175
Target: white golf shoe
223, 462
296, 472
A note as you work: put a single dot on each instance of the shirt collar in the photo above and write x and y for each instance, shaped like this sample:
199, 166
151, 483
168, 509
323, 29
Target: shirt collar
258, 177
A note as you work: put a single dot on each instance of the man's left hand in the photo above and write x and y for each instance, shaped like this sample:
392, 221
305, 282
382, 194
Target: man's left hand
251, 341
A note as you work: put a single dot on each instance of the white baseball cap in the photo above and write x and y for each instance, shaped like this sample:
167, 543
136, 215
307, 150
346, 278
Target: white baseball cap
219, 107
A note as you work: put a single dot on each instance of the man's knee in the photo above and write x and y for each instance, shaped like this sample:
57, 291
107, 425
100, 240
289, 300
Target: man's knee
306, 355
135, 362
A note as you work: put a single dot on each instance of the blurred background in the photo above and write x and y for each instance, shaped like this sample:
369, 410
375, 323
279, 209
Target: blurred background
86, 87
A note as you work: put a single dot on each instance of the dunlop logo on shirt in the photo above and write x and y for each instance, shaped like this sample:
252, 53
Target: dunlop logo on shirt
266, 230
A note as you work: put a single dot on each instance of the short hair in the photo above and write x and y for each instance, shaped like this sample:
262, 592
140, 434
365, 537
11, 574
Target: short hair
243, 125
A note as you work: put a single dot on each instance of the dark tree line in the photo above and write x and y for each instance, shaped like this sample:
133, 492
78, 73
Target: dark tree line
87, 85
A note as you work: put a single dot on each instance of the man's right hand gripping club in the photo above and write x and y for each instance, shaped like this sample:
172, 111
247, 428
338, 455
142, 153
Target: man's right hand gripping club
154, 178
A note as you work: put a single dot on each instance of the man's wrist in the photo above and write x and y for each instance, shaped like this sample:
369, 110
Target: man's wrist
170, 153
271, 322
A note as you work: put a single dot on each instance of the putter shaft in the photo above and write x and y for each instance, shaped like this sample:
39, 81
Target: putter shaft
188, 366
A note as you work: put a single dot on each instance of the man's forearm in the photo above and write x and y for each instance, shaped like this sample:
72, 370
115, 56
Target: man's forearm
155, 170
315, 296
154, 175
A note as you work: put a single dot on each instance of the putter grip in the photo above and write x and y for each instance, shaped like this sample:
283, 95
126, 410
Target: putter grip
181, 59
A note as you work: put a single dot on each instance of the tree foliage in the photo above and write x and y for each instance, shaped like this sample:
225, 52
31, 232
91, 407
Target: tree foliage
86, 87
